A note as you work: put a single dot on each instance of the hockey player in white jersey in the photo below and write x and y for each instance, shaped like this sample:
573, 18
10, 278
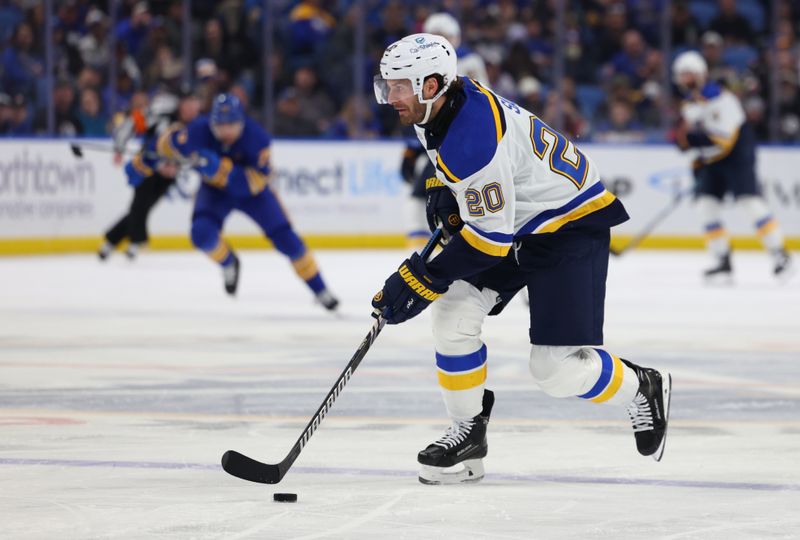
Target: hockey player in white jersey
535, 215
714, 131
416, 167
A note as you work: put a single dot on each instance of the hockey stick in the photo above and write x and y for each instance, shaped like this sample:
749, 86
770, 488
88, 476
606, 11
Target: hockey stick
653, 223
248, 468
78, 148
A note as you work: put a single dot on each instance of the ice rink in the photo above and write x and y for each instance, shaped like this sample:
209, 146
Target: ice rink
122, 384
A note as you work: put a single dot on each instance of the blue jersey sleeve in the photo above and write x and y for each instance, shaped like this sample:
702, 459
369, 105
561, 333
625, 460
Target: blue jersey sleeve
252, 174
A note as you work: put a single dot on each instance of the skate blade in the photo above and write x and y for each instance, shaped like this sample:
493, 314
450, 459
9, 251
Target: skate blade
787, 274
667, 395
471, 472
719, 280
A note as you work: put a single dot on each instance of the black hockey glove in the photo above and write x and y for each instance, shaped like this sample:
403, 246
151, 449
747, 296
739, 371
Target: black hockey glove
441, 207
408, 291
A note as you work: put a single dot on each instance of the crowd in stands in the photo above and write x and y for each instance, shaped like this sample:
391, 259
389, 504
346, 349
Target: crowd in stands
612, 89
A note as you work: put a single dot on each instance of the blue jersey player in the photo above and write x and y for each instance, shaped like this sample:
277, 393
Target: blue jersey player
533, 214
232, 154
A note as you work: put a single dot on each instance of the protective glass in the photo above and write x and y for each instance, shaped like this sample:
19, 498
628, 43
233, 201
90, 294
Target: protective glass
394, 89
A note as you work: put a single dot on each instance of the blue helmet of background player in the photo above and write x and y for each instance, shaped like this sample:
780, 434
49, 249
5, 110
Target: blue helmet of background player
227, 118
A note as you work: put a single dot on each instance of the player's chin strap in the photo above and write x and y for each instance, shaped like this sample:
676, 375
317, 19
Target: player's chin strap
429, 103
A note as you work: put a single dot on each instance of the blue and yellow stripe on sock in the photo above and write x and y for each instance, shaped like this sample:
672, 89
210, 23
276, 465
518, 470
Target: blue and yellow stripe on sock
766, 225
462, 372
714, 230
610, 379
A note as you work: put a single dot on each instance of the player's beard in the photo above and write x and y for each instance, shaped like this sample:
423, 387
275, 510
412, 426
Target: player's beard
412, 114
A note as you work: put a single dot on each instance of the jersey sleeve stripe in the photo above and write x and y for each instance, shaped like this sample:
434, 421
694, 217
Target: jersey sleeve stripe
447, 174
499, 119
489, 247
594, 198
500, 238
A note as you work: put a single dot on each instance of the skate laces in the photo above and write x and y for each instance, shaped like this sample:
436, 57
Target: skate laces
640, 413
455, 434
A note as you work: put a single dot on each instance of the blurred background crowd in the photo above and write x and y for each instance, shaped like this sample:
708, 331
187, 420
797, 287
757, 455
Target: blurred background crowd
597, 69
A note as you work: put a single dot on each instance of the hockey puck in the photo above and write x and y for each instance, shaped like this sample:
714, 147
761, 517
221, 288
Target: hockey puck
285, 497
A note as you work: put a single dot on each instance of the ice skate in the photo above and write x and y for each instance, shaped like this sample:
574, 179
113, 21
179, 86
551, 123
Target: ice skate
132, 251
784, 267
721, 273
231, 275
649, 410
104, 251
327, 300
464, 443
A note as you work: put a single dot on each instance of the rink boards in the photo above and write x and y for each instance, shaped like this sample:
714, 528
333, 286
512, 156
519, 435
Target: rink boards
341, 194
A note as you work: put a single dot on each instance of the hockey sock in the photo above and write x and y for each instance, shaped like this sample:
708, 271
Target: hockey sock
462, 379
716, 236
613, 382
221, 253
766, 226
306, 268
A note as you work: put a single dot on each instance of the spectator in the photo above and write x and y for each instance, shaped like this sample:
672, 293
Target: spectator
530, 95
94, 46
94, 123
289, 122
712, 49
21, 65
67, 123
346, 125
621, 125
309, 25
6, 113
632, 61
731, 25
21, 123
315, 105
133, 30
684, 28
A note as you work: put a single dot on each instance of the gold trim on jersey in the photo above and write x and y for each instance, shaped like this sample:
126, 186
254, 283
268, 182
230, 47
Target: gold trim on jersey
498, 124
725, 144
483, 245
220, 178
256, 180
140, 166
164, 146
584, 210
450, 176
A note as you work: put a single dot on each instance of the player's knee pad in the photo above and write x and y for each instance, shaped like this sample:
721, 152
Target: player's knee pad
710, 208
754, 206
205, 233
563, 371
286, 241
458, 318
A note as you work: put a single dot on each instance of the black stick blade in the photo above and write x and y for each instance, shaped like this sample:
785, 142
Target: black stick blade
247, 468
76, 150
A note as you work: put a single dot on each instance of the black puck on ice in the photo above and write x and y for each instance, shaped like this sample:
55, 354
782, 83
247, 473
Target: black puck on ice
285, 497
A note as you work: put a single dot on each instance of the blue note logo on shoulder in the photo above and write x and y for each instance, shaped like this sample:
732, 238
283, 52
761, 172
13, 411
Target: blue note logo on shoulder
420, 39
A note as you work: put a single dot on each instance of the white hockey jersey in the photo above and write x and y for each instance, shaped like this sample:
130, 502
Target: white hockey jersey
513, 175
719, 115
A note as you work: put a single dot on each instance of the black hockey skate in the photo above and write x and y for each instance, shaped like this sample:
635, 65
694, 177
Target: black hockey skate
105, 250
231, 275
463, 443
649, 410
722, 273
327, 300
784, 268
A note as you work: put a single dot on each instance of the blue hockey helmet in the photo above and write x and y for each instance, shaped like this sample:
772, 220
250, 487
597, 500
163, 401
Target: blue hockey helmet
227, 109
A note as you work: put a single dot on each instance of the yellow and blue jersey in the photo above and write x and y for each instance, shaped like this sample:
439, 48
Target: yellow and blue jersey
512, 176
244, 165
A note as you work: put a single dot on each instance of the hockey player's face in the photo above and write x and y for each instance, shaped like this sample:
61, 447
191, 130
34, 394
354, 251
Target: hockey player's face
401, 97
689, 81
228, 134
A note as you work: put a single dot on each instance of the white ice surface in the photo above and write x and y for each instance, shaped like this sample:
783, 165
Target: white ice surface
122, 384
